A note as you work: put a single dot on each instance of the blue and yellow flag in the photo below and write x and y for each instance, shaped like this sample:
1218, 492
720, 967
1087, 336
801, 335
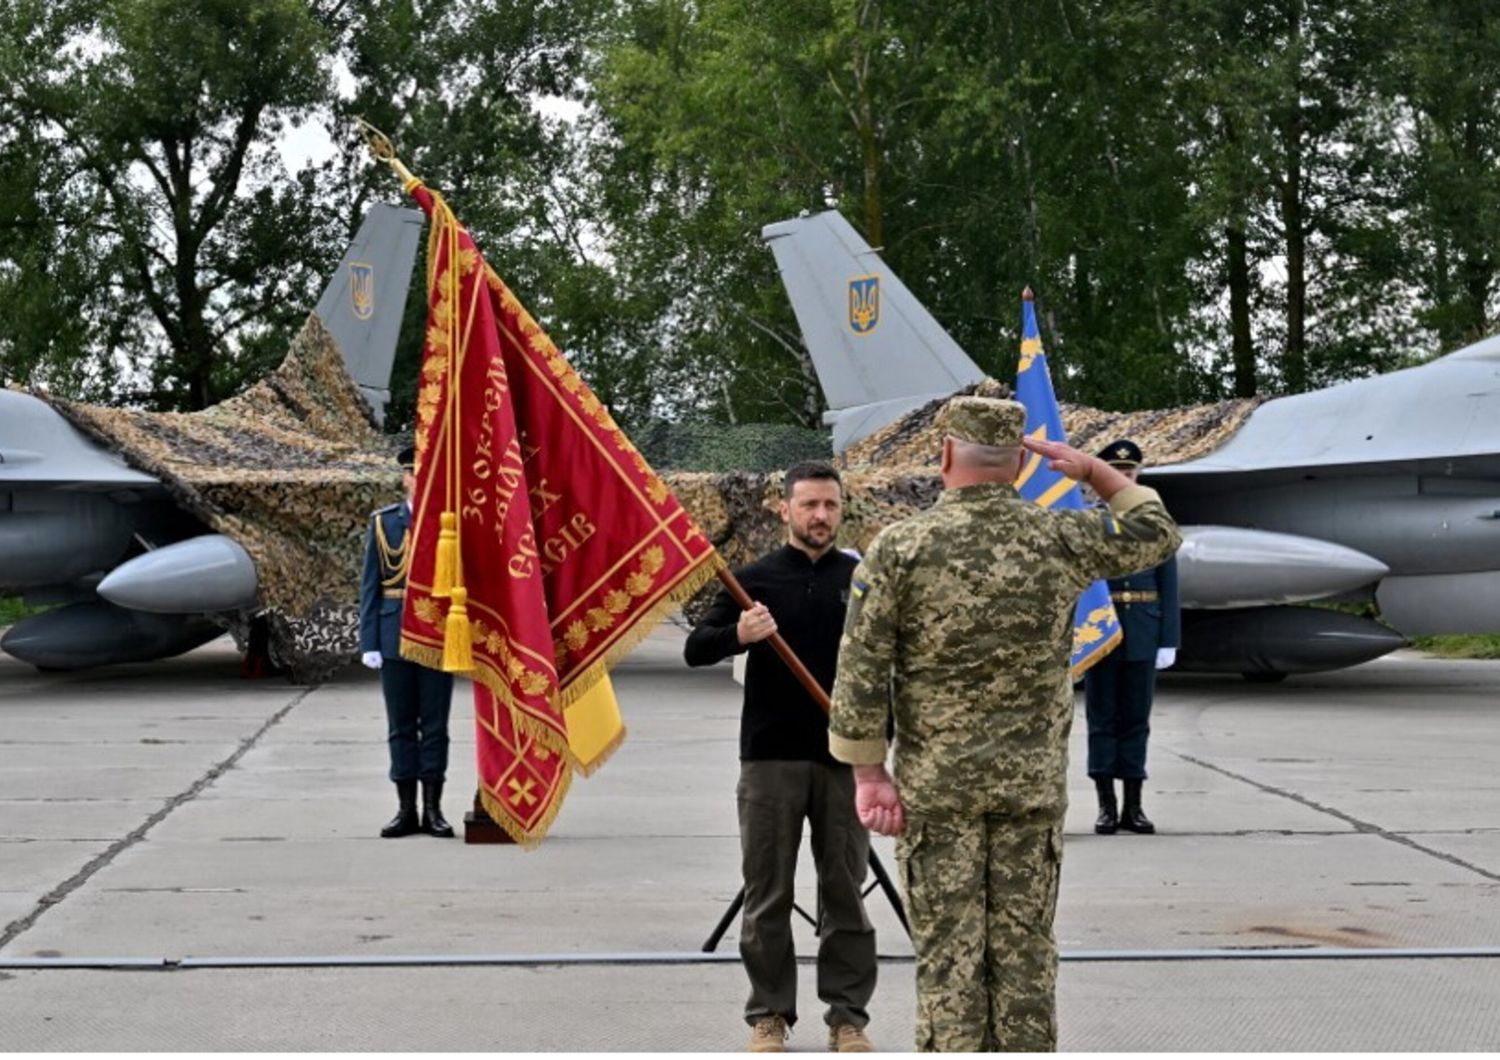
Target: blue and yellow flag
1096, 627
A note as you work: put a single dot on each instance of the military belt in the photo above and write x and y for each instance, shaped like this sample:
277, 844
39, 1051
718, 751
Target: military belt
1133, 597
394, 594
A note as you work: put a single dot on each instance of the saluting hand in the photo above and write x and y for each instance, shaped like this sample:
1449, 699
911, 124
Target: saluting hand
1063, 457
755, 624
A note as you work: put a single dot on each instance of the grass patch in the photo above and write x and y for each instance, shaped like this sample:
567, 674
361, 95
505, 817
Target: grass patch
1461, 645
12, 610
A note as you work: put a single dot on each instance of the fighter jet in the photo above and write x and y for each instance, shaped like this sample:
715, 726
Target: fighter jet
138, 574
1385, 488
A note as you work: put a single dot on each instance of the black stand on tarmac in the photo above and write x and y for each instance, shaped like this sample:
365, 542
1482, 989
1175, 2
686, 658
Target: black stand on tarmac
882, 880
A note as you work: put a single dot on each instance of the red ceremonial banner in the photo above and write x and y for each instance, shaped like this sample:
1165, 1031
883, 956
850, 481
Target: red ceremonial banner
544, 546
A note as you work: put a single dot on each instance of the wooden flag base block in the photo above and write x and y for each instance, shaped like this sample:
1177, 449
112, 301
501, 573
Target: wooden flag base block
480, 827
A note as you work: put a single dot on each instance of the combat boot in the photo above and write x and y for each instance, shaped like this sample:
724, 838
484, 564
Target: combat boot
1108, 821
768, 1035
405, 822
432, 810
1132, 818
847, 1038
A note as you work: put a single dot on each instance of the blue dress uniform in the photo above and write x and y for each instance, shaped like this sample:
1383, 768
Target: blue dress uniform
1118, 689
417, 699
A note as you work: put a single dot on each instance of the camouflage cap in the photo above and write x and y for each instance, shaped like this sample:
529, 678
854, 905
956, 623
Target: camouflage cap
984, 421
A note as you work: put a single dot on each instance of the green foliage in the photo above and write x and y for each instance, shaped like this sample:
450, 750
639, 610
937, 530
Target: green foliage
12, 610
1460, 646
162, 229
1208, 196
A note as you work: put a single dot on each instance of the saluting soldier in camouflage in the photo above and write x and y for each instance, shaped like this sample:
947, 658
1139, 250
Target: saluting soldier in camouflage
960, 622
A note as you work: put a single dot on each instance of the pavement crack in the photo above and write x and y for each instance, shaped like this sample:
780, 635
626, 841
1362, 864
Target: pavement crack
1365, 827
16, 927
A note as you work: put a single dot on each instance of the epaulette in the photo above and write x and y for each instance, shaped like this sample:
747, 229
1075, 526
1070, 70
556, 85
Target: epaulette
389, 508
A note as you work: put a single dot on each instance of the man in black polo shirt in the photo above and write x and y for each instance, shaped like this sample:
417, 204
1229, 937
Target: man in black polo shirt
787, 775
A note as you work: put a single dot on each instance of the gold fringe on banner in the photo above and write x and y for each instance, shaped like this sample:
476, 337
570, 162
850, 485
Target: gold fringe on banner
641, 628
527, 840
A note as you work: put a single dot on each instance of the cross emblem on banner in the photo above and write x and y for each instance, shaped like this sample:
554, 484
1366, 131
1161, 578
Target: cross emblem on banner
520, 792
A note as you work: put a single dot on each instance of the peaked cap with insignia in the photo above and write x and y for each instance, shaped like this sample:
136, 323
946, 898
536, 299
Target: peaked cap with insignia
1122, 453
984, 421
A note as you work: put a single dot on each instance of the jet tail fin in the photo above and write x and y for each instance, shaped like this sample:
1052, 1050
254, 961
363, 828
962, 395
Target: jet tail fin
878, 353
363, 303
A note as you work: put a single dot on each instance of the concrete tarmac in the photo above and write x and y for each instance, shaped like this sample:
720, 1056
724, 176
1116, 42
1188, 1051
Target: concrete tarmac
173, 811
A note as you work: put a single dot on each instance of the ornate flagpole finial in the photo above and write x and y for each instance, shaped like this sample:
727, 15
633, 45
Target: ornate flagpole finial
1027, 296
382, 150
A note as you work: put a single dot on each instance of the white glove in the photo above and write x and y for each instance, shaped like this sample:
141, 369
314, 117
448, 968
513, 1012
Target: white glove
371, 659
1165, 657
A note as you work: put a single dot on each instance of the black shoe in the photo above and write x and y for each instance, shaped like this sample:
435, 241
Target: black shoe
1132, 817
1108, 821
405, 822
432, 810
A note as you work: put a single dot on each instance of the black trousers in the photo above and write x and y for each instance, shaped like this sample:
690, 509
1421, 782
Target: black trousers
417, 700
1118, 699
774, 799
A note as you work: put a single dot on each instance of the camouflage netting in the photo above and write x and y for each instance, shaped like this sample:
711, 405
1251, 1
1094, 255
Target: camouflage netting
741, 447
1166, 436
893, 473
290, 469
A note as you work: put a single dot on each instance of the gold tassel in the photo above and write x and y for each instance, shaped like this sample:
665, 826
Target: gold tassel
458, 650
447, 556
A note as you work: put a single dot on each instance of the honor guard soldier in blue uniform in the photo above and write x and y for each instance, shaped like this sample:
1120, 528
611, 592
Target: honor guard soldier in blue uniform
1119, 688
417, 698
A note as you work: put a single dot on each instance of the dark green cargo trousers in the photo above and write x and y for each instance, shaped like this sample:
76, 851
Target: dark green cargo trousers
774, 799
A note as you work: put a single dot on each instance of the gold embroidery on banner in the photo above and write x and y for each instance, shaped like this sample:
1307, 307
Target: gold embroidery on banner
428, 610
521, 793
600, 619
616, 601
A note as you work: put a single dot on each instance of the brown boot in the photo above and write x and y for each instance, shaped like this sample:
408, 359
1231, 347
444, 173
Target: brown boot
847, 1038
769, 1035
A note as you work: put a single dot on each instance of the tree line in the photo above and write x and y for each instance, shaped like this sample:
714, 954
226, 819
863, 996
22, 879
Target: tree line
1211, 198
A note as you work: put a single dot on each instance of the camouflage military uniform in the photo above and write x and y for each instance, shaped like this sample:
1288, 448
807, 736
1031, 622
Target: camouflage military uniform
960, 621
